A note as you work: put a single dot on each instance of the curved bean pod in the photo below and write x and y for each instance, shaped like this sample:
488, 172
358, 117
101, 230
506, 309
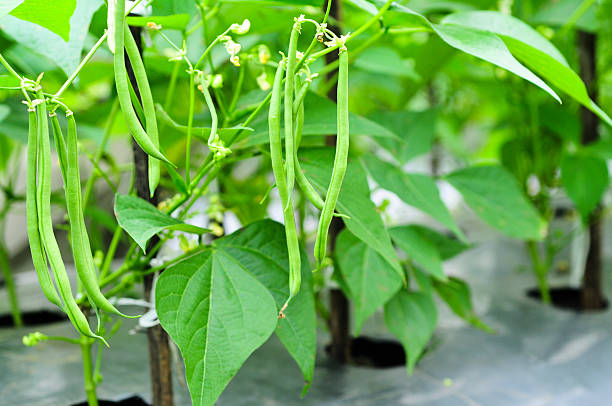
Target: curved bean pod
289, 130
340, 159
45, 225
148, 106
123, 91
276, 156
81, 250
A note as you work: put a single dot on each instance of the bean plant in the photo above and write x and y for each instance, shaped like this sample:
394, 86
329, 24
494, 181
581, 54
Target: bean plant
211, 89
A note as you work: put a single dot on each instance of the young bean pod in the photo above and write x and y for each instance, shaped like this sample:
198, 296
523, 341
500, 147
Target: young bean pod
36, 249
340, 159
148, 106
276, 156
81, 250
45, 225
289, 129
123, 91
60, 142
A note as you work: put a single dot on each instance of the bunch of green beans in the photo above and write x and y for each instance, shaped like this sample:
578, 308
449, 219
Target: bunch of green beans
40, 225
290, 172
149, 139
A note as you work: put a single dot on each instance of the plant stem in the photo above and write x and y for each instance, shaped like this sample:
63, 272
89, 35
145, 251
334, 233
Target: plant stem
189, 126
89, 55
10, 284
541, 271
90, 385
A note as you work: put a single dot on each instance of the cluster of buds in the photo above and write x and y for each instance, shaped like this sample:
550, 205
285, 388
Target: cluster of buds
178, 55
338, 41
187, 245
33, 339
320, 35
215, 214
215, 81
218, 148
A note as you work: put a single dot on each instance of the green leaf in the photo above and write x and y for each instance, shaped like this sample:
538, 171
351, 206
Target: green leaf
585, 179
412, 318
418, 249
354, 201
416, 190
415, 129
496, 197
67, 55
447, 246
218, 314
262, 248
386, 61
55, 18
370, 279
601, 148
557, 13
456, 293
489, 47
141, 220
533, 49
476, 42
7, 5
174, 21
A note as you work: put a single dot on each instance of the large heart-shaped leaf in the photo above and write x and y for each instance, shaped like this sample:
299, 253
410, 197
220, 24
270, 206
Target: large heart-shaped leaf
56, 18
269, 263
412, 318
218, 314
370, 279
257, 256
585, 179
533, 49
354, 201
417, 190
141, 220
495, 196
66, 55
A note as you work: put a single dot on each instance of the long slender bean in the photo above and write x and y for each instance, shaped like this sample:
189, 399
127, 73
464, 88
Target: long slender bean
81, 249
123, 92
289, 129
45, 225
36, 249
60, 141
340, 159
148, 105
276, 155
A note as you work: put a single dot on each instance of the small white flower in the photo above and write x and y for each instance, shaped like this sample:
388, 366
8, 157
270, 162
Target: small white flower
263, 53
262, 82
241, 29
235, 60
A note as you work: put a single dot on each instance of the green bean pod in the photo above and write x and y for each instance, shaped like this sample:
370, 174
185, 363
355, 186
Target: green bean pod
60, 142
340, 159
289, 129
276, 156
45, 226
123, 91
148, 105
36, 249
81, 250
